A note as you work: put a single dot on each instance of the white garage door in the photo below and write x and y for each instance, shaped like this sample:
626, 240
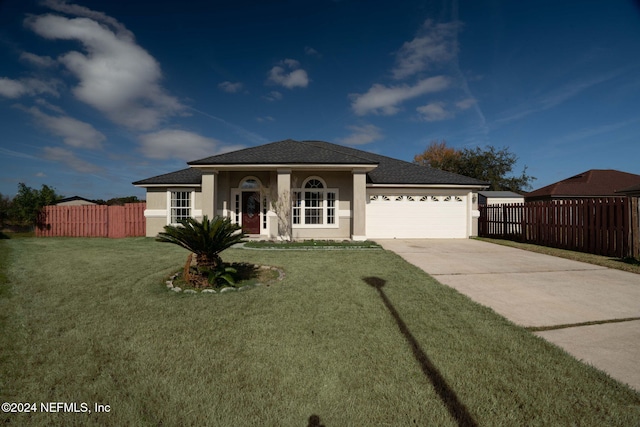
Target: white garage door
416, 216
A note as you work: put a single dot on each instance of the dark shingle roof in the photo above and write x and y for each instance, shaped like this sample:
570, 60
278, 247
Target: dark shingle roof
183, 176
388, 170
282, 152
500, 194
592, 183
394, 171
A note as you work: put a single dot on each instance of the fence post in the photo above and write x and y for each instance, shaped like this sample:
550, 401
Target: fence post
633, 232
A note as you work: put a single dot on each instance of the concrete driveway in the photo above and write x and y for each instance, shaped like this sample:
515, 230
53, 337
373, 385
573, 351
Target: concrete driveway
534, 290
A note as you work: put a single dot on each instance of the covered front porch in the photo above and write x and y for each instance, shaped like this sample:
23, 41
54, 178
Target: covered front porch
289, 203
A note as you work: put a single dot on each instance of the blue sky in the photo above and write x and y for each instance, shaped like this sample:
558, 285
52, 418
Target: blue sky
97, 94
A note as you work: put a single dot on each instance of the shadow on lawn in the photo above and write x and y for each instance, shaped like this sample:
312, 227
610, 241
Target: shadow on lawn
456, 408
314, 421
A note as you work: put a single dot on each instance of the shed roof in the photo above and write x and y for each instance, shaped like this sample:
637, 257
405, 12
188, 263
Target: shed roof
73, 199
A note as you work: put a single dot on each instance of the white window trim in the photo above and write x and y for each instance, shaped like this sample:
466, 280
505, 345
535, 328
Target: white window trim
192, 201
325, 207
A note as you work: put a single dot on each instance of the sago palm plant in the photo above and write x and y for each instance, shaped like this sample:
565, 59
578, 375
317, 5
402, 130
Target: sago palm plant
205, 239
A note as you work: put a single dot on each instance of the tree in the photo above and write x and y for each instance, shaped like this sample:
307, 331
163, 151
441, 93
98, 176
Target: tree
26, 205
206, 239
439, 156
486, 164
5, 209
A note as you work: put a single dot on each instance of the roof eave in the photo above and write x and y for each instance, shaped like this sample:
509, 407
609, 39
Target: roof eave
475, 186
166, 185
366, 167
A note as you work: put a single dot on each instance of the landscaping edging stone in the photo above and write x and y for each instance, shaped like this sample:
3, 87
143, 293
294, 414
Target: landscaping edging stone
311, 248
226, 289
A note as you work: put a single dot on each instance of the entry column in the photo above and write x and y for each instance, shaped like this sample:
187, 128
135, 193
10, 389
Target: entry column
209, 193
359, 208
283, 205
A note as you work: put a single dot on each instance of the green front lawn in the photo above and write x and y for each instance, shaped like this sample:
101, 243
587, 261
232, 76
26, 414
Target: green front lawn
349, 338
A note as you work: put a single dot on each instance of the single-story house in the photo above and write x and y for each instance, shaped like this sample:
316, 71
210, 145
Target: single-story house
499, 197
592, 183
316, 190
75, 201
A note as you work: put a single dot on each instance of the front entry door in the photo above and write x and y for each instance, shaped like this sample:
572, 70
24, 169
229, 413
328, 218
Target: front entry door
251, 212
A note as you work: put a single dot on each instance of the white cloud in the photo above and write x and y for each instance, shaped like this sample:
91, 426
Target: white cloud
361, 135
465, 104
175, 143
265, 119
12, 88
46, 104
62, 155
434, 112
274, 95
437, 111
296, 77
37, 60
230, 87
435, 44
116, 76
74, 9
312, 52
29, 86
384, 100
73, 132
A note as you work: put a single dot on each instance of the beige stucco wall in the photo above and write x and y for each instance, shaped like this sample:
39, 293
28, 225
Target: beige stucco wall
157, 213
156, 198
340, 233
224, 181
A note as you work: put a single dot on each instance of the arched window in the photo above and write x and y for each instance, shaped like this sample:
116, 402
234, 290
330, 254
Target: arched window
314, 203
250, 183
314, 183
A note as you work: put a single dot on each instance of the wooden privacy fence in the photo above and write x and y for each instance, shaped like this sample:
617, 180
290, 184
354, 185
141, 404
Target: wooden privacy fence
603, 226
92, 221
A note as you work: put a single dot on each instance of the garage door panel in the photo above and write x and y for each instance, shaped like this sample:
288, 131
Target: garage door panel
417, 216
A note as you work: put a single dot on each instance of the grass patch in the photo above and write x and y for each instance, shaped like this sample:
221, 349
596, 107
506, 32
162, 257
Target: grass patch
348, 338
628, 264
16, 234
311, 244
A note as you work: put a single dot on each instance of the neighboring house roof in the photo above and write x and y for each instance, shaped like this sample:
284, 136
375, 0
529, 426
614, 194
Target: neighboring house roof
634, 190
501, 194
74, 199
592, 183
386, 169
